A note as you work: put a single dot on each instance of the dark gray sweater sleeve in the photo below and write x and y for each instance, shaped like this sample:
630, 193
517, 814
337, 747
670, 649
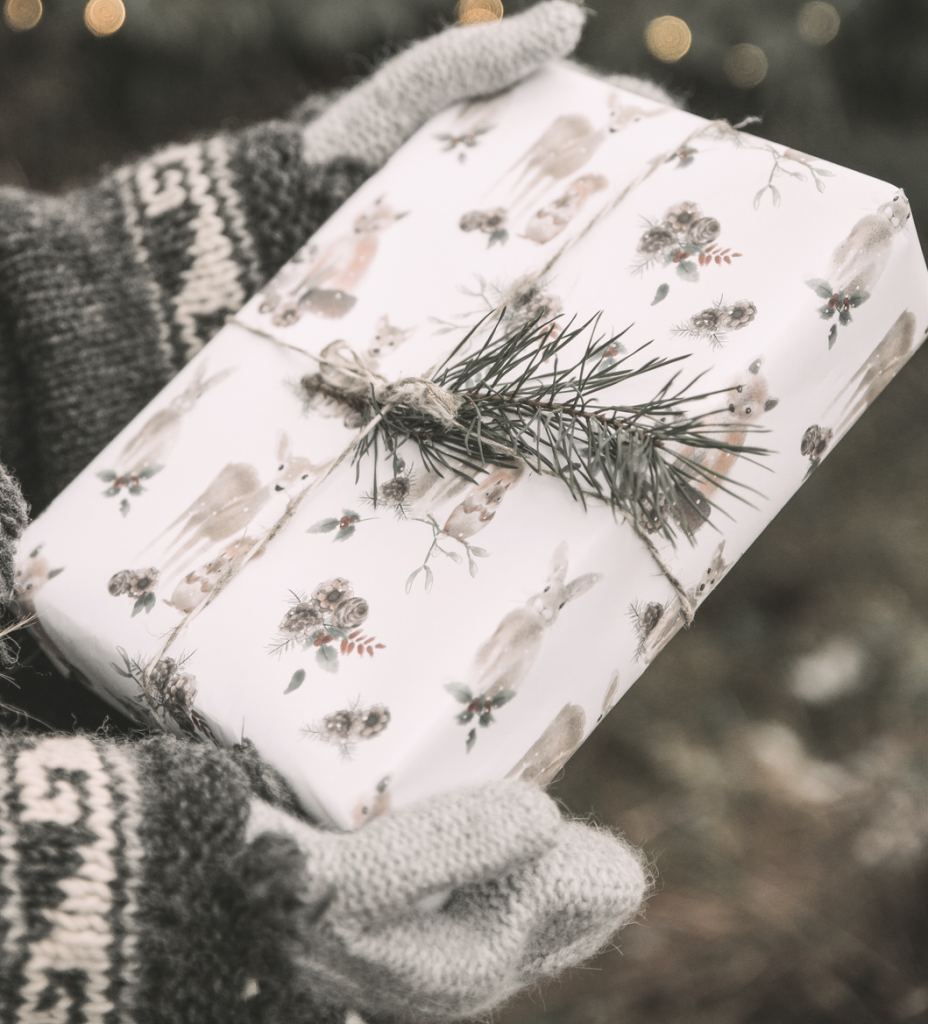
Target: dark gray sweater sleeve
106, 292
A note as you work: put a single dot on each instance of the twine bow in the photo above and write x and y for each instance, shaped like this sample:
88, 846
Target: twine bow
343, 369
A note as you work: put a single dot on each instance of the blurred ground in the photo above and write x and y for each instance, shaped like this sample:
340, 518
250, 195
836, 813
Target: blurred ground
772, 760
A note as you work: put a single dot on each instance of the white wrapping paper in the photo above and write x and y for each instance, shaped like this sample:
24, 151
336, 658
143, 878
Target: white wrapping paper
796, 283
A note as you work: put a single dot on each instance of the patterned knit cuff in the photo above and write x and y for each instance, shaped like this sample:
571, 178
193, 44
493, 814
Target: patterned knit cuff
127, 892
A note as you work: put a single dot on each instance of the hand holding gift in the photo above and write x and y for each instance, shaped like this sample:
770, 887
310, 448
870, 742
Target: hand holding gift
213, 899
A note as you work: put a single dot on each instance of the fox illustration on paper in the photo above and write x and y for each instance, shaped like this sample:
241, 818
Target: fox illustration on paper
504, 661
32, 573
230, 503
387, 338
327, 286
567, 145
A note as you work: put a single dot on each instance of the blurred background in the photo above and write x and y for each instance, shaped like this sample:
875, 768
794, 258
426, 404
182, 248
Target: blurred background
772, 760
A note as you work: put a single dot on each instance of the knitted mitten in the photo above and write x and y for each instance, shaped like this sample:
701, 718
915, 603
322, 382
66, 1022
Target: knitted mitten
105, 293
165, 881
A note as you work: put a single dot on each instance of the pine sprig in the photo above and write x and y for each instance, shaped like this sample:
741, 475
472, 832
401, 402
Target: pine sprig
522, 397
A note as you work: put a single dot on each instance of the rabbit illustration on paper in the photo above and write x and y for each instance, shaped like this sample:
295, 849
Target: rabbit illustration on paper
471, 122
883, 363
550, 220
327, 287
504, 660
146, 452
857, 264
230, 503
566, 146
749, 400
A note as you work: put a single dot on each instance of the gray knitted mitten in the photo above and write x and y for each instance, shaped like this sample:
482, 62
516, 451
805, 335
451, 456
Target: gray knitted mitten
164, 881
105, 293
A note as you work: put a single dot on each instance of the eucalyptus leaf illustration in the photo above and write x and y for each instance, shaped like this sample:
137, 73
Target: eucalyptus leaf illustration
296, 680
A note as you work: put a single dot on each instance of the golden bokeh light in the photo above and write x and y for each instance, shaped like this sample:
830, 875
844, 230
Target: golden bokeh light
745, 65
473, 12
104, 17
21, 15
818, 22
668, 38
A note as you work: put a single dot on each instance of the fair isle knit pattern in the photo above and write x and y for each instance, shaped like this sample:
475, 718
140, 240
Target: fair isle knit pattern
164, 881
106, 293
120, 895
66, 836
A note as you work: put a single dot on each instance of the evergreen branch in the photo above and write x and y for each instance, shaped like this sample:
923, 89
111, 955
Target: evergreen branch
524, 397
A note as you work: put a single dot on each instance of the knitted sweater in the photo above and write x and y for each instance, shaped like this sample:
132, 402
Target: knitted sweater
162, 881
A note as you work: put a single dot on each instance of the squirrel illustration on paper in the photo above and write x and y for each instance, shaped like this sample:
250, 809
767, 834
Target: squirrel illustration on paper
504, 660
550, 220
545, 758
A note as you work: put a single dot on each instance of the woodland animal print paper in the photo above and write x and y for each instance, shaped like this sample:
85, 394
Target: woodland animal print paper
387, 630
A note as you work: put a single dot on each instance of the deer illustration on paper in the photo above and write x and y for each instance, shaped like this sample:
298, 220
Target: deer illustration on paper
566, 146
146, 452
883, 363
327, 287
159, 433
504, 660
230, 504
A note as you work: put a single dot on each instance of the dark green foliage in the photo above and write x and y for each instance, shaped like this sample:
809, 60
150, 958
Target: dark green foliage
520, 401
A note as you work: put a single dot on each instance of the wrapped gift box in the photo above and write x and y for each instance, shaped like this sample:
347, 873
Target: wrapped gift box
453, 632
